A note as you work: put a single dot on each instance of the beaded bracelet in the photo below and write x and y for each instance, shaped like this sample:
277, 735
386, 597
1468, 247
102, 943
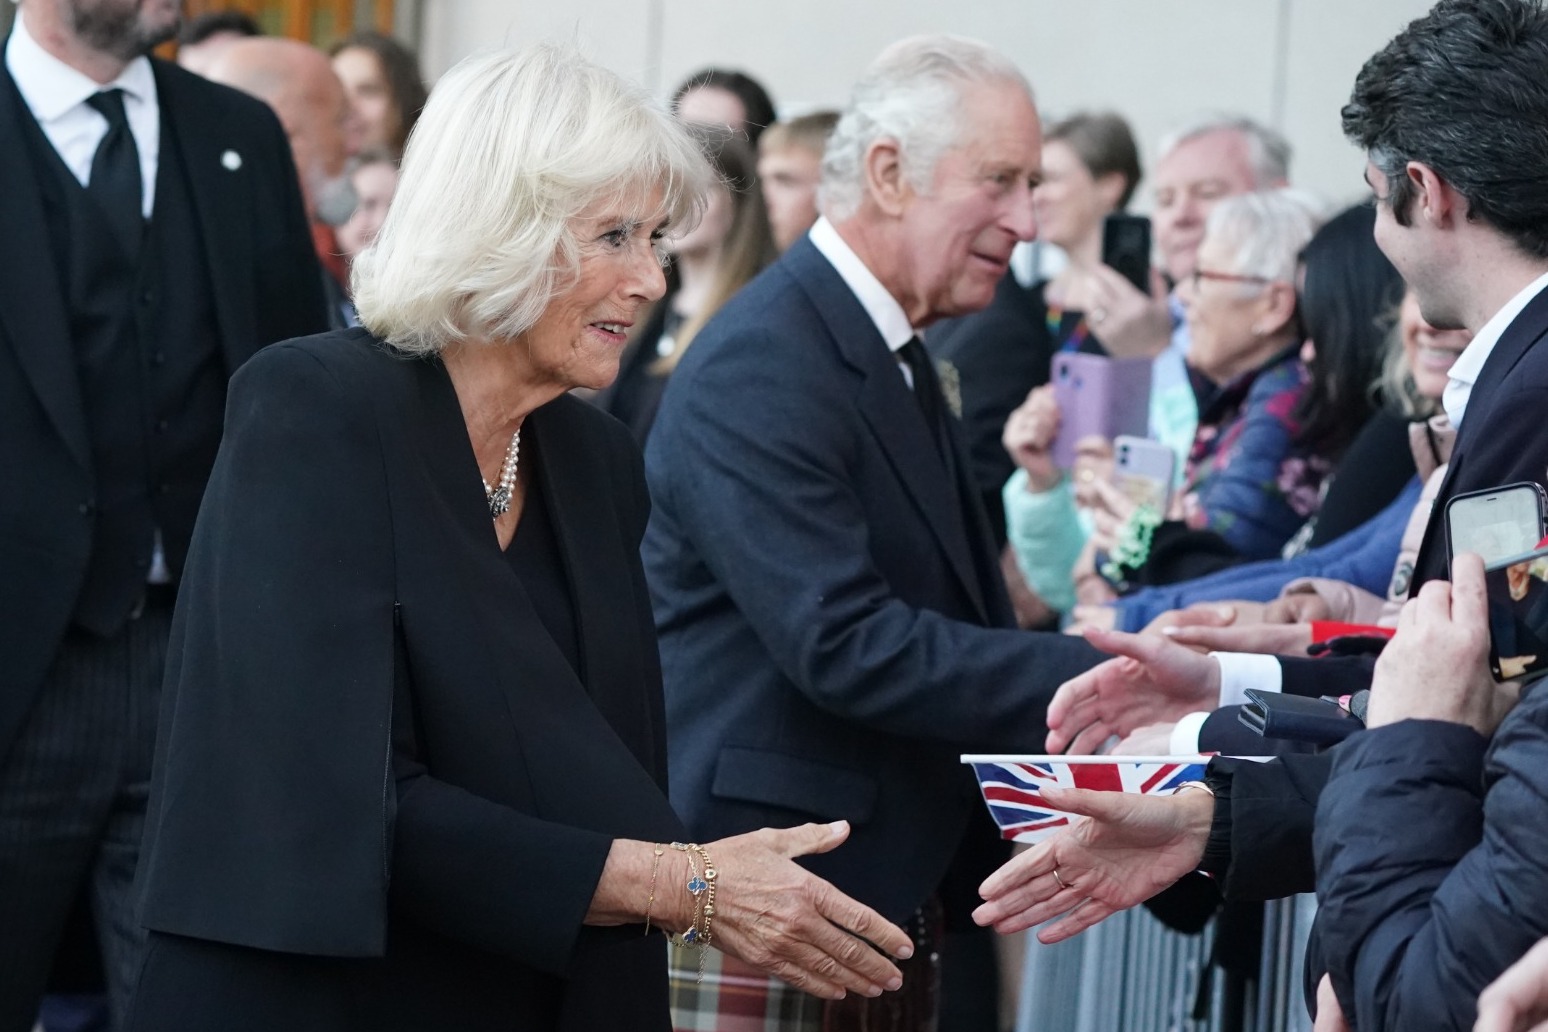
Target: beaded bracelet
702, 889
1132, 548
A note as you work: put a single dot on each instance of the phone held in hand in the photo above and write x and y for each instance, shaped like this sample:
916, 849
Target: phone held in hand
1496, 524
1098, 396
1518, 615
1126, 248
1144, 471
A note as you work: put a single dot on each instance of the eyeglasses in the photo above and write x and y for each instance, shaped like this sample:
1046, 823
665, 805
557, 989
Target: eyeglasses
1225, 277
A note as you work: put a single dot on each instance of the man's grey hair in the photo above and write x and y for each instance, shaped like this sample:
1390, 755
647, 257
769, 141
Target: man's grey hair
910, 94
1268, 153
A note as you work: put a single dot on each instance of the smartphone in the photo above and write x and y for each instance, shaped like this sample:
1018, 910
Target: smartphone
1497, 523
1100, 396
1518, 615
1126, 247
1144, 470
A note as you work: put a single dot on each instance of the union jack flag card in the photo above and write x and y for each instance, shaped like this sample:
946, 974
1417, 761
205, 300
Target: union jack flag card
1012, 785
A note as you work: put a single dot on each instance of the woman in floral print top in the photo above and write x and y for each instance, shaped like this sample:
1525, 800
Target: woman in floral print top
1249, 479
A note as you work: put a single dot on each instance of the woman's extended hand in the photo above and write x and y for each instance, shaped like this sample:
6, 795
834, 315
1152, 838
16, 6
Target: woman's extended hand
1130, 848
779, 917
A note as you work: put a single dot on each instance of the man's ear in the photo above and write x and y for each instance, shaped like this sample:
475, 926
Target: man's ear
888, 188
1435, 200
1278, 308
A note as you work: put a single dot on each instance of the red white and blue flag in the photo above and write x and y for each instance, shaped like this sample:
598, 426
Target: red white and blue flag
1012, 787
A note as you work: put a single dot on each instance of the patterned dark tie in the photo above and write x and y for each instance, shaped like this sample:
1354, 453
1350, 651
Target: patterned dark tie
115, 172
927, 391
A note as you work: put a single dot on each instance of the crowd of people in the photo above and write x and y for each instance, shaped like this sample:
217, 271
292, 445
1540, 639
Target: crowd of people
525, 555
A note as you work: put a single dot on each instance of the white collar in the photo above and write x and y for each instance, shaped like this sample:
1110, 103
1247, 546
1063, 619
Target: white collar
52, 88
1469, 365
878, 302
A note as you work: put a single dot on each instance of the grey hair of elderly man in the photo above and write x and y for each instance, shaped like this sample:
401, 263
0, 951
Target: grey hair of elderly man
929, 172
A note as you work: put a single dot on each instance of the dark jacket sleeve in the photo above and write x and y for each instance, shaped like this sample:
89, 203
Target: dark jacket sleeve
1260, 846
1432, 866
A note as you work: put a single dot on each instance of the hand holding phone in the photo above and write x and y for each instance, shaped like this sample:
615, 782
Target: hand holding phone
1098, 396
1144, 471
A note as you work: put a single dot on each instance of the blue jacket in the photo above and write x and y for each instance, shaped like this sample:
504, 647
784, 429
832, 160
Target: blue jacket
1363, 557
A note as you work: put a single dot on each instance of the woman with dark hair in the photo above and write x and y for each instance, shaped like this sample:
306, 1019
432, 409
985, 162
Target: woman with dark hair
1349, 295
711, 262
719, 96
385, 89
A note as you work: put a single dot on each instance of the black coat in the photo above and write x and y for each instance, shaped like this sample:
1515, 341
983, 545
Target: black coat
263, 276
451, 841
1432, 867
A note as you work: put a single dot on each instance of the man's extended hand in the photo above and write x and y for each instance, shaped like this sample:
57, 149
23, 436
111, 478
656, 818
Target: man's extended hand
1517, 1001
1153, 681
1437, 665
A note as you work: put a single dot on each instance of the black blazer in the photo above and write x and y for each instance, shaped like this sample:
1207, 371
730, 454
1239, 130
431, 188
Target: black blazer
834, 632
346, 502
1501, 441
264, 278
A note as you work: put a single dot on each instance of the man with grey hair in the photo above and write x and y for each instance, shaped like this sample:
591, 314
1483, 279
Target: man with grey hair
834, 630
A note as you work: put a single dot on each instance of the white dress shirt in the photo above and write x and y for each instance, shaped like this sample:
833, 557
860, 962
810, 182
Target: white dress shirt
56, 94
1240, 670
878, 302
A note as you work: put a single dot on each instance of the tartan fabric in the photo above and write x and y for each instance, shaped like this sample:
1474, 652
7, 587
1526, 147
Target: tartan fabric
737, 997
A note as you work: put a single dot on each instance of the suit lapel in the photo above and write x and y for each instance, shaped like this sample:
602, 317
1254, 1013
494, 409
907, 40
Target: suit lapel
891, 413
206, 151
32, 302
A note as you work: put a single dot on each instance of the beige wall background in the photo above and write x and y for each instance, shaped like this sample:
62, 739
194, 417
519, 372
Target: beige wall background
1289, 63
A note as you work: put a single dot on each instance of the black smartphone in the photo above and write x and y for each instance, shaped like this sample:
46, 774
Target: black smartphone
1126, 247
1496, 524
1518, 615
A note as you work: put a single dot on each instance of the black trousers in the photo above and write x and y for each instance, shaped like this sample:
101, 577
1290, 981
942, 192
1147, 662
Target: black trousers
73, 788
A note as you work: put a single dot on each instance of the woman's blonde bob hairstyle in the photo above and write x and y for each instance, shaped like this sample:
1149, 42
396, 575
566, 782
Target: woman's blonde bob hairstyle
512, 147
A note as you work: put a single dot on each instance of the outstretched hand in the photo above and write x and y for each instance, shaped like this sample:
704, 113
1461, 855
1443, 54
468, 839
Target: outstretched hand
784, 920
1153, 681
1129, 848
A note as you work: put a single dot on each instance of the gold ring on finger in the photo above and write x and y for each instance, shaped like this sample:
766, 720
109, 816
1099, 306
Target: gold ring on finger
1058, 879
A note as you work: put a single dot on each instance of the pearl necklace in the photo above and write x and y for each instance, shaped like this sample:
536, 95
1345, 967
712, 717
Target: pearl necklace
500, 495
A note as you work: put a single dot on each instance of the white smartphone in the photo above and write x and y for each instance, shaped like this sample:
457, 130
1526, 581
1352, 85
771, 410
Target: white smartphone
1497, 523
1144, 470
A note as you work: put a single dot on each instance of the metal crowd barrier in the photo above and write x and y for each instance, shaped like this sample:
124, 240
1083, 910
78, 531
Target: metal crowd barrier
1132, 974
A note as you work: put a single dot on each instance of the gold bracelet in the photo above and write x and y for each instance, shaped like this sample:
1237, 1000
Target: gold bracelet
709, 903
655, 868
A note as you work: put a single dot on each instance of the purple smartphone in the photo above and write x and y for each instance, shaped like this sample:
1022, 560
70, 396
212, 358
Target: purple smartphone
1099, 395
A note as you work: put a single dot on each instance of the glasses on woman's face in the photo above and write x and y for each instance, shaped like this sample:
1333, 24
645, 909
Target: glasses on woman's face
1225, 277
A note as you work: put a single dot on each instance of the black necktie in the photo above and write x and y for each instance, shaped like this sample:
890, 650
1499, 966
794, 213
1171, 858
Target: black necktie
927, 391
115, 172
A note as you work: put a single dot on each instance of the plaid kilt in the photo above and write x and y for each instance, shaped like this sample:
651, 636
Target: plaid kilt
737, 997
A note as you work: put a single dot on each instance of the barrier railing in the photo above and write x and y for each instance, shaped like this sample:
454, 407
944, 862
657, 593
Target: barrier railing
1133, 974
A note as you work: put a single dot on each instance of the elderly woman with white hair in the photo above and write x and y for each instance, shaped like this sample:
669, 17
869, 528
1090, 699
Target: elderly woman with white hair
411, 762
1250, 479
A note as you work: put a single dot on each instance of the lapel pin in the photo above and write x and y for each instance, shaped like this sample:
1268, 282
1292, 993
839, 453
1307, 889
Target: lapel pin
231, 160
